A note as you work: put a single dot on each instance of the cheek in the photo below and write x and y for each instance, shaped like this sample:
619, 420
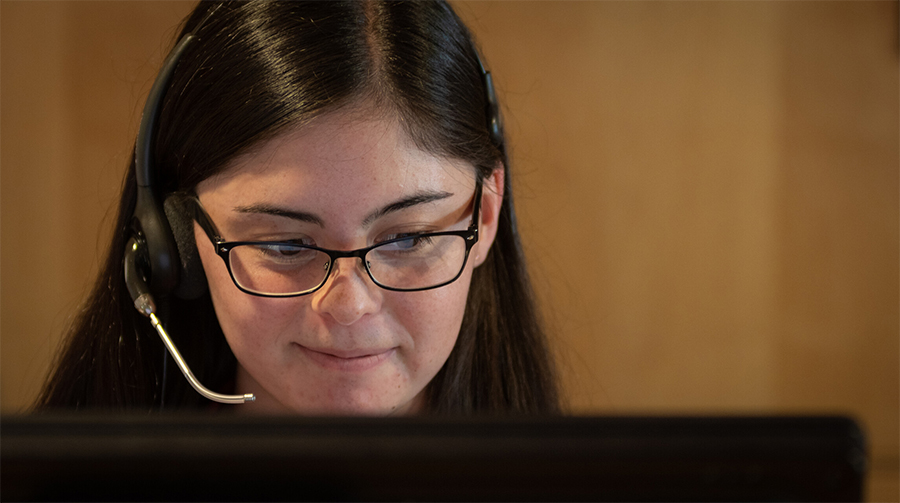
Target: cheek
432, 319
240, 314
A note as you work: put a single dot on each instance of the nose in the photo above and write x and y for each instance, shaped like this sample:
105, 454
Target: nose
349, 293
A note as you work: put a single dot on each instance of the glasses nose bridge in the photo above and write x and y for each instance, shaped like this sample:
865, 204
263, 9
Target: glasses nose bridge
333, 255
360, 254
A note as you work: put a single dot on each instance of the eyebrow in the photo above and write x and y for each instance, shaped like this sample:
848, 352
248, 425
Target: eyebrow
302, 216
406, 202
265, 209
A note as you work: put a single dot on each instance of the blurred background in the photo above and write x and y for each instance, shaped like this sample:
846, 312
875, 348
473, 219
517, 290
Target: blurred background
708, 193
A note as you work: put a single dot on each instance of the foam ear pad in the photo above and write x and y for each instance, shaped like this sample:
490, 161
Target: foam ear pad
192, 280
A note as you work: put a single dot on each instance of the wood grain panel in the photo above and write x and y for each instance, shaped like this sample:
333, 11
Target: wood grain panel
708, 193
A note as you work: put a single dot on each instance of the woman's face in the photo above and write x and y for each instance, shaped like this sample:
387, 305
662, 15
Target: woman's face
351, 347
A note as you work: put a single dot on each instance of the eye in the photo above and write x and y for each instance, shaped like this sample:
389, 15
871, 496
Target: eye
406, 242
283, 250
285, 253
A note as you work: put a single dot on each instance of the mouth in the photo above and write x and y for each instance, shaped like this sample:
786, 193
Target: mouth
347, 361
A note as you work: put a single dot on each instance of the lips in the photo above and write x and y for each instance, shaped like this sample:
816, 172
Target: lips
357, 360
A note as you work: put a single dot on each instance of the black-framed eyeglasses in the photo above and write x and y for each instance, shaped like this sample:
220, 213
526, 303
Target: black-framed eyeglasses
413, 262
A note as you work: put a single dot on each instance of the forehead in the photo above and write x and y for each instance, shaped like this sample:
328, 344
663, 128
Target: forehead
345, 156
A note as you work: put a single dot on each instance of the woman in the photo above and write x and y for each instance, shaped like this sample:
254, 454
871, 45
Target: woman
336, 180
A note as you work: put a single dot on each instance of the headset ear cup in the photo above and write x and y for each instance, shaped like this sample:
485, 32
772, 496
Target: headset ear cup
192, 282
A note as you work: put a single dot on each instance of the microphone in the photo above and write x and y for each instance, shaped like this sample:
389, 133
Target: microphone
143, 302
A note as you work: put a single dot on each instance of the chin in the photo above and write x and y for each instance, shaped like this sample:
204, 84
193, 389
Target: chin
347, 410
357, 406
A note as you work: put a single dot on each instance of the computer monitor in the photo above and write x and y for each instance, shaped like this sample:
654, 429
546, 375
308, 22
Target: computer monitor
224, 457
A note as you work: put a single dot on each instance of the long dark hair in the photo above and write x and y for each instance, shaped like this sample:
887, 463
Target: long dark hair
255, 69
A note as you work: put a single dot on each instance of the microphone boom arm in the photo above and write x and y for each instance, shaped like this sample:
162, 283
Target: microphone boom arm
212, 395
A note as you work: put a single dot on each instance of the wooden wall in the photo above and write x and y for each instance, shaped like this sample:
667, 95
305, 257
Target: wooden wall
708, 193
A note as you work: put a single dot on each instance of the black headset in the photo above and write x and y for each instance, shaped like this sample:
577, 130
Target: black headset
161, 250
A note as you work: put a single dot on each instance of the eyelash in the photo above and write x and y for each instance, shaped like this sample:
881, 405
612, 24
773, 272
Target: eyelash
399, 235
